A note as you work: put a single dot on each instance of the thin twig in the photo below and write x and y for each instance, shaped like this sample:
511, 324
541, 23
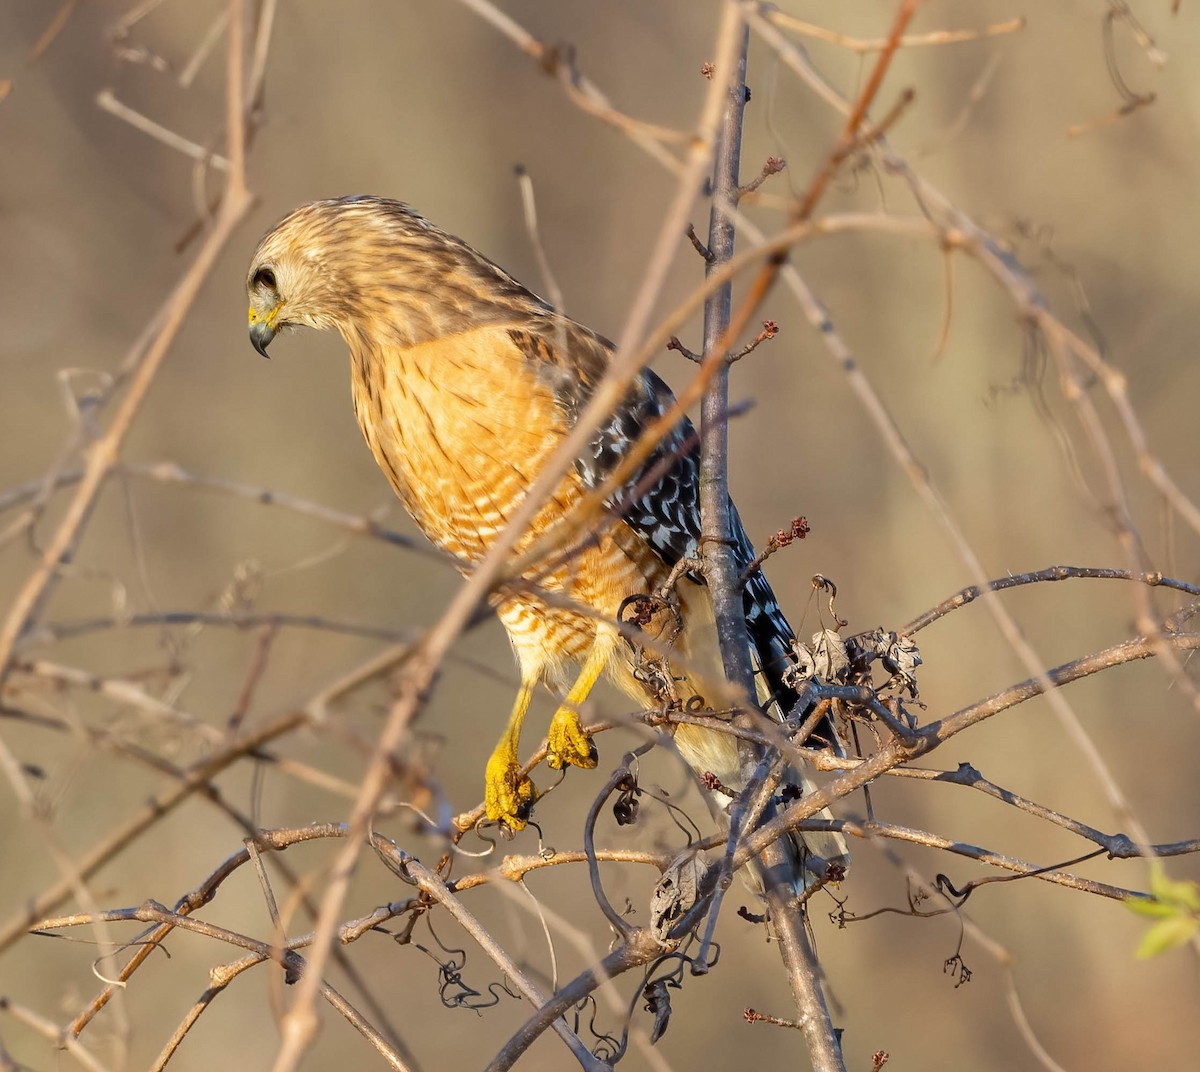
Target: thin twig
982, 855
51, 32
48, 1029
968, 595
287, 957
106, 99
860, 45
103, 454
529, 208
50, 632
431, 884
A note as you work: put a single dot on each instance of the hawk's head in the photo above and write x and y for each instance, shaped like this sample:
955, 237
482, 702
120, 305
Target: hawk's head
378, 273
321, 266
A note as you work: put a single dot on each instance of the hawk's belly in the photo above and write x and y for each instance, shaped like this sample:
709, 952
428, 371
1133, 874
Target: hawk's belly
462, 427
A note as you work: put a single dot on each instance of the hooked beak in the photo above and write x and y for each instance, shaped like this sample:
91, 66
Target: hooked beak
261, 334
264, 327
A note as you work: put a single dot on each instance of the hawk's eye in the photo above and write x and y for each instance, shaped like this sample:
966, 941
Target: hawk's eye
264, 277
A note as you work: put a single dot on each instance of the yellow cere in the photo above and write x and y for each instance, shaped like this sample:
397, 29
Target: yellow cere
270, 318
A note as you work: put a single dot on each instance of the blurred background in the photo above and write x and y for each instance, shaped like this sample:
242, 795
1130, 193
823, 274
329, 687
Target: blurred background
428, 103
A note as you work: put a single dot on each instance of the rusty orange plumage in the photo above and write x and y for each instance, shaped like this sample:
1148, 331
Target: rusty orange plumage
464, 384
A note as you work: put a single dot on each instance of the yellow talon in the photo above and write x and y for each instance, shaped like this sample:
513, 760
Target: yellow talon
568, 743
508, 795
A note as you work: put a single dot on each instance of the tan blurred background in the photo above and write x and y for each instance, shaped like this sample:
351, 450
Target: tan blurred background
424, 102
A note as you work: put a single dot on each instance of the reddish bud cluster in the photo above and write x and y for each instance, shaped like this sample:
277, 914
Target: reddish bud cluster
708, 69
715, 785
798, 530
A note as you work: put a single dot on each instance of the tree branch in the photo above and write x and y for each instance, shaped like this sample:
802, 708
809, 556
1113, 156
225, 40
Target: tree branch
716, 551
721, 570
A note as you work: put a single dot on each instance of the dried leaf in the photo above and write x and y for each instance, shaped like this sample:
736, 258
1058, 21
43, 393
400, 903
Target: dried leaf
658, 1002
675, 894
805, 668
900, 657
830, 657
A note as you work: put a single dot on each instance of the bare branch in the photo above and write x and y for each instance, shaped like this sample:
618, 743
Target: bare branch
637, 949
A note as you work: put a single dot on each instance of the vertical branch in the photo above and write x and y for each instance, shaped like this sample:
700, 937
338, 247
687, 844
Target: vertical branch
716, 551
804, 977
721, 570
235, 81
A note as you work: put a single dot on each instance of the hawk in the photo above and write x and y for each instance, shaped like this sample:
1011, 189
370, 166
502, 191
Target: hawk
464, 384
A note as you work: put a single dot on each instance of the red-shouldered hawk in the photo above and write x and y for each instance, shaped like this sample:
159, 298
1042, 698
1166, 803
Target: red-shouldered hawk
464, 384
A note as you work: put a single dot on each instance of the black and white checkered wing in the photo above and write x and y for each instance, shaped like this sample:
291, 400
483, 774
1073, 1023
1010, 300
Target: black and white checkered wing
661, 500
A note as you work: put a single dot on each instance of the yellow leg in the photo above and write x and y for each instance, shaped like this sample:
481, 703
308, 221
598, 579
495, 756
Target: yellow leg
507, 795
568, 743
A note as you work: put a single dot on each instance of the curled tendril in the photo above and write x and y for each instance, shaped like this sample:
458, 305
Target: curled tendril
824, 584
453, 990
608, 1047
